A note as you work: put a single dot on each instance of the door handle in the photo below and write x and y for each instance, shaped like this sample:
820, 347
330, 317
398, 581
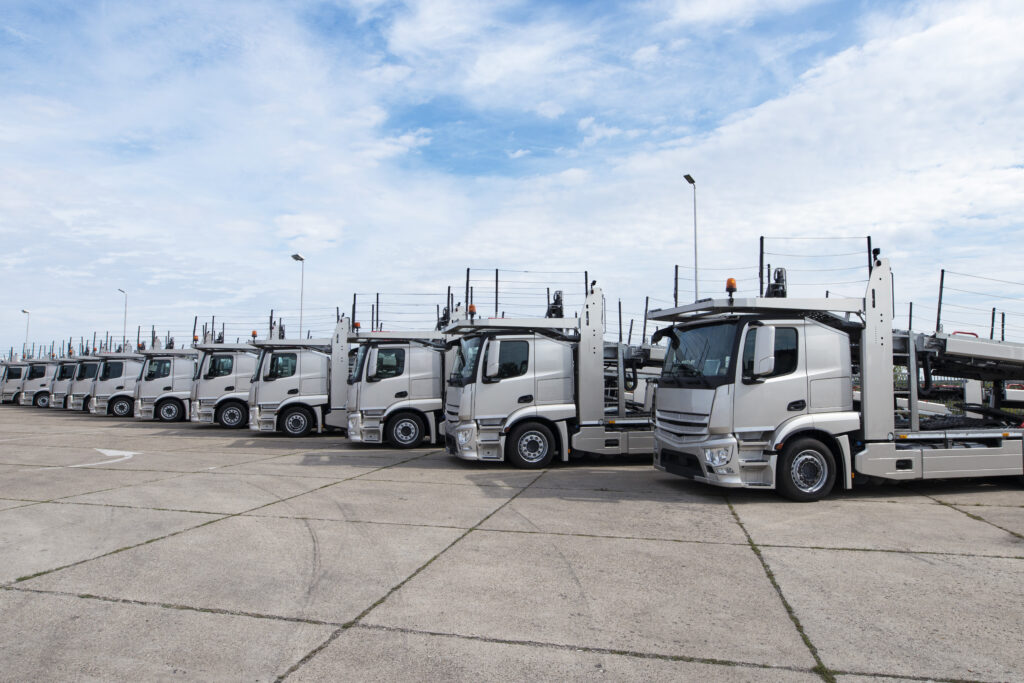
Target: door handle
797, 405
167, 388
293, 391
401, 394
231, 388
526, 399
119, 387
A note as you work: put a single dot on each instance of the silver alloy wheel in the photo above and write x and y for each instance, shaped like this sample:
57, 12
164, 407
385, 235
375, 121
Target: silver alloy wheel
43, 401
809, 471
532, 446
90, 404
169, 411
407, 431
296, 423
231, 416
121, 407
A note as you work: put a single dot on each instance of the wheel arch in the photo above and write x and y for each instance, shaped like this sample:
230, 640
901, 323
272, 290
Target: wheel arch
557, 429
838, 444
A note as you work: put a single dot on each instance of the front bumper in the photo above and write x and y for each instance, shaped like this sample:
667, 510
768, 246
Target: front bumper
743, 469
203, 411
465, 440
365, 428
99, 405
77, 401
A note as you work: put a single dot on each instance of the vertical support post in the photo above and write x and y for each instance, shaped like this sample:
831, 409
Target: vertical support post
586, 284
643, 336
1002, 333
938, 312
354, 308
620, 321
270, 325
915, 416
871, 258
138, 338
675, 288
467, 289
378, 310
910, 317
629, 339
495, 292
992, 326
760, 269
195, 323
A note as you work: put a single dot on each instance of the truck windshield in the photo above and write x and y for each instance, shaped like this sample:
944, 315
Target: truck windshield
700, 356
87, 371
465, 362
356, 370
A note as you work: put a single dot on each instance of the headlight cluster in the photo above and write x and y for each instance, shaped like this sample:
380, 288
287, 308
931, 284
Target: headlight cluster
464, 435
716, 457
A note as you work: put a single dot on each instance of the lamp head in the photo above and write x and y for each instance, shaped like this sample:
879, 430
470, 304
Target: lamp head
689, 179
297, 257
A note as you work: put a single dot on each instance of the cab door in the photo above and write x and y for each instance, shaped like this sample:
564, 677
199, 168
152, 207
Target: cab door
762, 404
388, 380
217, 375
513, 385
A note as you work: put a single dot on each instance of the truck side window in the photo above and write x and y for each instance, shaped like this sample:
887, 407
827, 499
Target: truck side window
36, 371
220, 366
112, 369
282, 365
513, 359
13, 373
786, 352
157, 368
390, 363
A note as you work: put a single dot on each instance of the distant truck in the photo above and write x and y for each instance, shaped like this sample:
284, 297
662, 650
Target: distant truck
528, 390
395, 389
35, 390
758, 393
164, 389
61, 383
80, 389
299, 385
13, 377
220, 386
113, 391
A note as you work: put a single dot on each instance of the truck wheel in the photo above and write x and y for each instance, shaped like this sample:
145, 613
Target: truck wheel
232, 415
88, 404
121, 407
806, 471
296, 421
16, 400
405, 430
170, 411
531, 446
42, 400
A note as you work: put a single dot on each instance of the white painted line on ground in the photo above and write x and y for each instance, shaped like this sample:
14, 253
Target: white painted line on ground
117, 455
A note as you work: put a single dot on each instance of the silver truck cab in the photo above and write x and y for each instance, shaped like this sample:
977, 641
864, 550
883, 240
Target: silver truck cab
299, 385
164, 388
80, 389
35, 391
113, 392
220, 386
13, 378
526, 390
395, 389
60, 385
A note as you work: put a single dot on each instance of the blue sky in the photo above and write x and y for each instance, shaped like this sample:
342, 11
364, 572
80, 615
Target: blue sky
182, 150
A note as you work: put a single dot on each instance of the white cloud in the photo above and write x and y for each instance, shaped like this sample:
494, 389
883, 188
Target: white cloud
518, 154
731, 11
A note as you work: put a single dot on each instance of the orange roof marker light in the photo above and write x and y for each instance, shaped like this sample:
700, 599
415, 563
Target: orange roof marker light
730, 287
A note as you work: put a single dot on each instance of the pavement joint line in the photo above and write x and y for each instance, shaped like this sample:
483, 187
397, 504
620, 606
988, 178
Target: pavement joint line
221, 518
584, 648
170, 605
823, 671
394, 589
889, 550
910, 677
979, 519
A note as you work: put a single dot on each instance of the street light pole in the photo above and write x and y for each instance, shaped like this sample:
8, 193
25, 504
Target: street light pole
28, 319
689, 179
124, 328
302, 288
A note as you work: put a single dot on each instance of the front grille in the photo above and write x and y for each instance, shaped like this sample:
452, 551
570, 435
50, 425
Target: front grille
686, 426
681, 464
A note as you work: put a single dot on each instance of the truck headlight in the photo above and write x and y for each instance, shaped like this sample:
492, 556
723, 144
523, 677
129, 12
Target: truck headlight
464, 435
716, 457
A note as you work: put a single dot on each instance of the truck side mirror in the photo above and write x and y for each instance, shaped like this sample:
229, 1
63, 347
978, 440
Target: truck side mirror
764, 351
371, 364
493, 349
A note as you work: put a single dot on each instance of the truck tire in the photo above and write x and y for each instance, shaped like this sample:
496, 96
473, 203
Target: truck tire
232, 415
16, 400
806, 471
405, 430
121, 407
41, 400
531, 446
296, 421
170, 410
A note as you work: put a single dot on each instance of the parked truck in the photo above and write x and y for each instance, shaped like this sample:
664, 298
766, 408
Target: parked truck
395, 388
220, 386
299, 385
35, 390
164, 389
80, 389
113, 391
529, 390
64, 374
13, 378
759, 393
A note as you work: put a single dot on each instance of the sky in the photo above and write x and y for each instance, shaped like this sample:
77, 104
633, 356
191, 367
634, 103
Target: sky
182, 151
